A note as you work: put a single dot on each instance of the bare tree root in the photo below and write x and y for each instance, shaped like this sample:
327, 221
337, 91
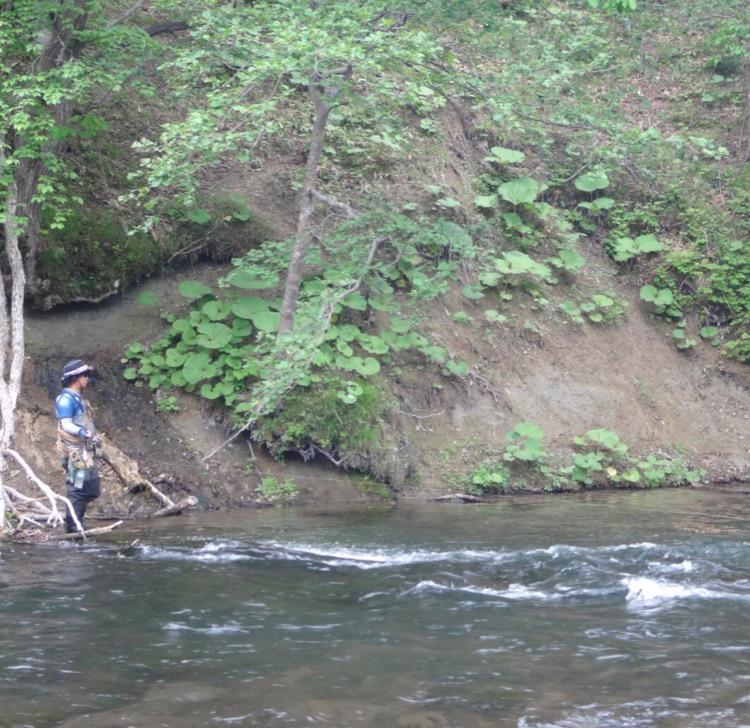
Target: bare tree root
54, 518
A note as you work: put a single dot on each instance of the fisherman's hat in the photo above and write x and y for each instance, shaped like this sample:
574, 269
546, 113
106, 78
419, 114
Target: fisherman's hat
76, 368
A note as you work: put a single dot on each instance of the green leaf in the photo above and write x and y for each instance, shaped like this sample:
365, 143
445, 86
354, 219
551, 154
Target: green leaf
211, 391
448, 202
198, 367
344, 347
213, 336
602, 301
485, 201
519, 191
373, 344
435, 353
514, 262
709, 332
572, 260
368, 366
473, 293
526, 429
602, 203
400, 326
198, 215
647, 244
216, 310
664, 297
503, 155
347, 332
174, 358
591, 181
243, 214
649, 293
267, 321
147, 298
247, 306
356, 301
250, 281
457, 367
130, 374
193, 289
495, 316
514, 222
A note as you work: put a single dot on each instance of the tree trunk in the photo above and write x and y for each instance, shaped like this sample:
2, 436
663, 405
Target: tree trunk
11, 331
744, 146
307, 207
61, 46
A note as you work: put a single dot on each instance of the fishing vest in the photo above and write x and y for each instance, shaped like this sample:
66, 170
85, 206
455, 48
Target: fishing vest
82, 454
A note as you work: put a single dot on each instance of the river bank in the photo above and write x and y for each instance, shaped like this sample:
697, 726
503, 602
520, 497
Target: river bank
566, 380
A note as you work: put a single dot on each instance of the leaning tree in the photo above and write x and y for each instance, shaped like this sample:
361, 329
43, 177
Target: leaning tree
245, 74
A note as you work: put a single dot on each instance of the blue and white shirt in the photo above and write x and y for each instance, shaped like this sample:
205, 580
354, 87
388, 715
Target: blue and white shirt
73, 413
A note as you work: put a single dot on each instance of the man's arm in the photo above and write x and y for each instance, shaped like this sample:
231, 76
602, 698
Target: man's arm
65, 409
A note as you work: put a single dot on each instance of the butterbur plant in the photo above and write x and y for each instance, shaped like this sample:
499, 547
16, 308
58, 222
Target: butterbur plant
599, 308
525, 443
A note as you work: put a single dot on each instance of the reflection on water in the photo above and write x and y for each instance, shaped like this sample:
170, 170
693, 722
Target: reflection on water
610, 610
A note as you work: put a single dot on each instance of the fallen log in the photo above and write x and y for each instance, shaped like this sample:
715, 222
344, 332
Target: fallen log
126, 469
459, 498
175, 508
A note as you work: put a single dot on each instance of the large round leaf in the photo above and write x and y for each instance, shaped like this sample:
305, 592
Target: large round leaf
174, 358
356, 301
252, 281
147, 298
399, 325
347, 332
214, 391
242, 328
215, 310
198, 215
247, 306
198, 367
571, 259
344, 348
193, 289
591, 181
368, 366
373, 344
267, 321
213, 336
503, 155
519, 191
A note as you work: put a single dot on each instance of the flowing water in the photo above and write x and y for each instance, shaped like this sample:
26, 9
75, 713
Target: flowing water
624, 609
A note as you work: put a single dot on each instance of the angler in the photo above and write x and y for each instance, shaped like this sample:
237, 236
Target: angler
79, 446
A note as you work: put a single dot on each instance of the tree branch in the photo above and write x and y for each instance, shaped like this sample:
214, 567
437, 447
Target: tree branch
134, 8
55, 517
344, 207
172, 26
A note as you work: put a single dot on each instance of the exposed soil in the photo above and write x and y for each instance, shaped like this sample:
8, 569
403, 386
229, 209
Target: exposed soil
169, 447
627, 377
538, 366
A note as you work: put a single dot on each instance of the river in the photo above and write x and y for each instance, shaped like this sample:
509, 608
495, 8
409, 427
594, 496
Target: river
615, 609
